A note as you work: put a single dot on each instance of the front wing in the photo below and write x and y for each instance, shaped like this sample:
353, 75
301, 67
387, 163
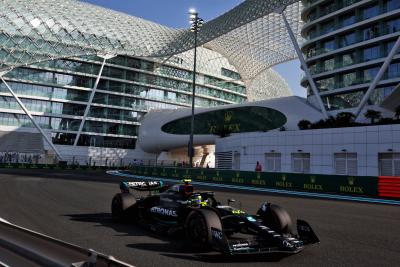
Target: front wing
267, 241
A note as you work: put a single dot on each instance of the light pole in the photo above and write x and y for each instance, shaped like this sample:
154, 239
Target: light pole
195, 24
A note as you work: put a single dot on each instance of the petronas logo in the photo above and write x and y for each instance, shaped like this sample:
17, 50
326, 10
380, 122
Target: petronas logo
228, 116
351, 180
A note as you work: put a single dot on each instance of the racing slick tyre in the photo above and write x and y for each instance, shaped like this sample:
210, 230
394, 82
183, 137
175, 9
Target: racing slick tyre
123, 207
276, 218
199, 226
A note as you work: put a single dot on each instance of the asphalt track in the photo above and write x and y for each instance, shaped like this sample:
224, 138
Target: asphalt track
75, 207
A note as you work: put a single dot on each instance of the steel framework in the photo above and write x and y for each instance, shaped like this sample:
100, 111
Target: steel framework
50, 29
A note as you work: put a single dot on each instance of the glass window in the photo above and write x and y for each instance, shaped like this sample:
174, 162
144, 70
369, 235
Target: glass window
342, 101
327, 26
301, 162
393, 25
389, 47
349, 79
349, 59
371, 53
329, 64
328, 8
369, 74
348, 19
392, 5
370, 32
345, 163
312, 33
273, 162
393, 71
326, 84
328, 45
389, 164
370, 11
230, 73
348, 39
380, 94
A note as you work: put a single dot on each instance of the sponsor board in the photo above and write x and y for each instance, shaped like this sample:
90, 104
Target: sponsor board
359, 185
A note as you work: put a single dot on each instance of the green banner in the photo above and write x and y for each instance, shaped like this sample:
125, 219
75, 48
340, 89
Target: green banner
338, 184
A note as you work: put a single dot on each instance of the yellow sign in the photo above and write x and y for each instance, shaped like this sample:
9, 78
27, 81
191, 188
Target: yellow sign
312, 185
283, 183
228, 116
350, 188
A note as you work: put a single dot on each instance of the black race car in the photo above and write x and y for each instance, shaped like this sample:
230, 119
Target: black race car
208, 224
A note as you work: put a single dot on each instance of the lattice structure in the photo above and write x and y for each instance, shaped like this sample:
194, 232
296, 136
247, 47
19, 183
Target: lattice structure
250, 35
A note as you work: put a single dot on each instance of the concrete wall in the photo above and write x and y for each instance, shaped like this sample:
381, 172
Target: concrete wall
366, 141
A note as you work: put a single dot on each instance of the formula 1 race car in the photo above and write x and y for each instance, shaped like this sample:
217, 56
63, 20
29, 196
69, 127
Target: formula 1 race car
208, 224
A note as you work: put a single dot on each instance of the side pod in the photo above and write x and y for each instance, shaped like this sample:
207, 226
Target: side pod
306, 233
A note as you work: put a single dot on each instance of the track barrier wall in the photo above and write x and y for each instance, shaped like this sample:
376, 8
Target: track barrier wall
372, 186
337, 184
389, 186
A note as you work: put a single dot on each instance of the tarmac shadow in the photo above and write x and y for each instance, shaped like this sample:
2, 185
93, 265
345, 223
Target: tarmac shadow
104, 219
172, 245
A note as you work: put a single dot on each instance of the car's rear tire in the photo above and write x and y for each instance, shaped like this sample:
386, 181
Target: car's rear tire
198, 228
276, 217
123, 207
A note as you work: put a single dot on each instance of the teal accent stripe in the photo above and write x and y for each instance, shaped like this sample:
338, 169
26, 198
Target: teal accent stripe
269, 190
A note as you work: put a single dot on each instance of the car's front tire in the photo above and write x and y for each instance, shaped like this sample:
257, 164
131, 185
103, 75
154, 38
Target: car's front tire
276, 217
199, 226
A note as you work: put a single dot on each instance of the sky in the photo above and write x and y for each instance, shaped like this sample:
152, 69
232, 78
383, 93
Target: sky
174, 13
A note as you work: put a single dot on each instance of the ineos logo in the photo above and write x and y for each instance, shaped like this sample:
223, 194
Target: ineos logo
216, 234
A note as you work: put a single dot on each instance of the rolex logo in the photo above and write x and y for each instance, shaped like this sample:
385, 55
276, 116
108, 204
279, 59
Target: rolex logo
228, 116
217, 173
258, 176
283, 177
237, 174
187, 171
351, 180
312, 179
202, 172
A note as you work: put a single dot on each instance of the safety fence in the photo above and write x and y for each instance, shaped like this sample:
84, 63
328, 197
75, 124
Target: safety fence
337, 184
60, 166
389, 186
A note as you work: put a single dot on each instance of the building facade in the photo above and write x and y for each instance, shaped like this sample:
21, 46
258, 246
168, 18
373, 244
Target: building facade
57, 93
353, 151
346, 44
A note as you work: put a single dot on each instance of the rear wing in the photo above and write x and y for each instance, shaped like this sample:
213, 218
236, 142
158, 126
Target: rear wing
141, 186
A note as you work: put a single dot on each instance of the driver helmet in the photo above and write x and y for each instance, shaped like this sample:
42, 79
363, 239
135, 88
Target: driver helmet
186, 189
